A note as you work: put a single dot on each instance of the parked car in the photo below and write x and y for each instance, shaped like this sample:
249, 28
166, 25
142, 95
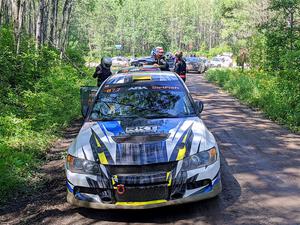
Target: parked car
142, 145
226, 61
216, 62
119, 61
142, 61
194, 64
206, 63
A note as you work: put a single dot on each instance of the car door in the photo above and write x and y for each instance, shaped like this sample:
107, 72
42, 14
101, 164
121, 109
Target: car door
87, 95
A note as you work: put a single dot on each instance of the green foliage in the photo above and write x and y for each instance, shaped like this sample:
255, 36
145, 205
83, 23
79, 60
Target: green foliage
276, 94
39, 96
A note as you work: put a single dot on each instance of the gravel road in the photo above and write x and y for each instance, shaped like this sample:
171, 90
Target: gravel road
260, 175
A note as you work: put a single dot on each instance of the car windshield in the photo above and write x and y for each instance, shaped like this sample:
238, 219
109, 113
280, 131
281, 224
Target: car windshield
217, 59
154, 101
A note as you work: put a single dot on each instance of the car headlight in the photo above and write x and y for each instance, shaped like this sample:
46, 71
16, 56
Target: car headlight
200, 159
77, 165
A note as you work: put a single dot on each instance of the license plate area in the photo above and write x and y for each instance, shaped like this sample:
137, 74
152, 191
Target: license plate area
143, 193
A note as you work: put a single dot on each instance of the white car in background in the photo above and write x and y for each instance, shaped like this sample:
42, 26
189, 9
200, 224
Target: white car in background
120, 61
221, 61
206, 63
226, 61
216, 62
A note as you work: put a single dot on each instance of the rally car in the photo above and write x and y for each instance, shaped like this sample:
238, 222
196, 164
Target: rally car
142, 145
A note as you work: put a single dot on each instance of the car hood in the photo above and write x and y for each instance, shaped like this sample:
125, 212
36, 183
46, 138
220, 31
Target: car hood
141, 141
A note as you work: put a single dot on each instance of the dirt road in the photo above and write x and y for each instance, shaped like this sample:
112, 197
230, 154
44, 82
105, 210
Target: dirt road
260, 169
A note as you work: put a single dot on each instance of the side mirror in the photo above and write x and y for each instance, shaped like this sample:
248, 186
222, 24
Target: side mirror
199, 106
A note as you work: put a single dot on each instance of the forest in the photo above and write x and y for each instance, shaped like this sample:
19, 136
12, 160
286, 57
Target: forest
44, 45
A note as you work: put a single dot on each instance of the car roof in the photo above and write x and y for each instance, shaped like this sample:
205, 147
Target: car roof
134, 69
142, 77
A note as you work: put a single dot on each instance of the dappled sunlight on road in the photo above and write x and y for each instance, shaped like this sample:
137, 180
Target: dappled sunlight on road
260, 164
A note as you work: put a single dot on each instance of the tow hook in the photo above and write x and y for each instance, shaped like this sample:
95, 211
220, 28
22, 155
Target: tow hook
120, 189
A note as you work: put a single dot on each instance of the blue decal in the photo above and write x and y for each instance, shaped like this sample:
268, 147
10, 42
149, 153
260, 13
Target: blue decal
208, 188
113, 127
83, 197
168, 124
69, 187
214, 182
103, 130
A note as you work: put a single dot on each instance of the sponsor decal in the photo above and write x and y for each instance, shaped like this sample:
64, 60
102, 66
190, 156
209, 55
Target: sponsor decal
165, 88
110, 90
141, 129
137, 88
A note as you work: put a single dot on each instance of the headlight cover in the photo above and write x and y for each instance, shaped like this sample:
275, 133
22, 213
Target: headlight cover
201, 159
77, 165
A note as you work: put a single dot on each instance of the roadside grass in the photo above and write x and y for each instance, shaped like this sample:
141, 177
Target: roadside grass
277, 94
28, 128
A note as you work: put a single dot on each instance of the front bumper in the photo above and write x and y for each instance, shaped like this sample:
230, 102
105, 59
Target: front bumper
214, 191
182, 187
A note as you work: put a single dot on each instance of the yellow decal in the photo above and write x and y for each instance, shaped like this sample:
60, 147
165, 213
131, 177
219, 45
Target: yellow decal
102, 158
141, 77
168, 174
169, 178
97, 142
141, 203
170, 182
181, 153
114, 178
184, 139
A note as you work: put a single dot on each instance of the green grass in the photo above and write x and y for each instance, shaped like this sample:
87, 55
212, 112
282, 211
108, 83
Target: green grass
27, 130
276, 94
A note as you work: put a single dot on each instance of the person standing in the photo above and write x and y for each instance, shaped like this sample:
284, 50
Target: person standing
103, 70
180, 65
159, 59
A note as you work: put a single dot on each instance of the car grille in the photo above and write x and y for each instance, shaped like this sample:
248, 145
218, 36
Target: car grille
141, 182
142, 179
140, 169
144, 193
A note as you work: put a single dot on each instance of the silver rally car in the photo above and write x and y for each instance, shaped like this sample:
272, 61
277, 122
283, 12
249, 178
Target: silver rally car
142, 145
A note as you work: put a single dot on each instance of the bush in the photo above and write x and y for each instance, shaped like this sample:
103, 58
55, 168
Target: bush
39, 96
277, 94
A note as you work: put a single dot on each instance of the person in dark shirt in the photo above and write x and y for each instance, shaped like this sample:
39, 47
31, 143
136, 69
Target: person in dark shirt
159, 59
103, 70
180, 65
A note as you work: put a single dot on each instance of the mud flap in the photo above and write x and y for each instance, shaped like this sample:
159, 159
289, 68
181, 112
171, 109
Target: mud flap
87, 95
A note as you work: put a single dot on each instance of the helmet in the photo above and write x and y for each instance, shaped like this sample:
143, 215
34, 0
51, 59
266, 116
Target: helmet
106, 62
153, 52
168, 55
158, 51
178, 54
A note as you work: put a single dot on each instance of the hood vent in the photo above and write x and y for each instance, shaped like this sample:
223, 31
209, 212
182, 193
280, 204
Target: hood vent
144, 138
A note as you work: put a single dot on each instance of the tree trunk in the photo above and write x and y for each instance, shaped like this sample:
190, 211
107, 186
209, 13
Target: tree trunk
30, 26
6, 12
15, 13
65, 24
53, 22
19, 25
1, 11
45, 24
39, 25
